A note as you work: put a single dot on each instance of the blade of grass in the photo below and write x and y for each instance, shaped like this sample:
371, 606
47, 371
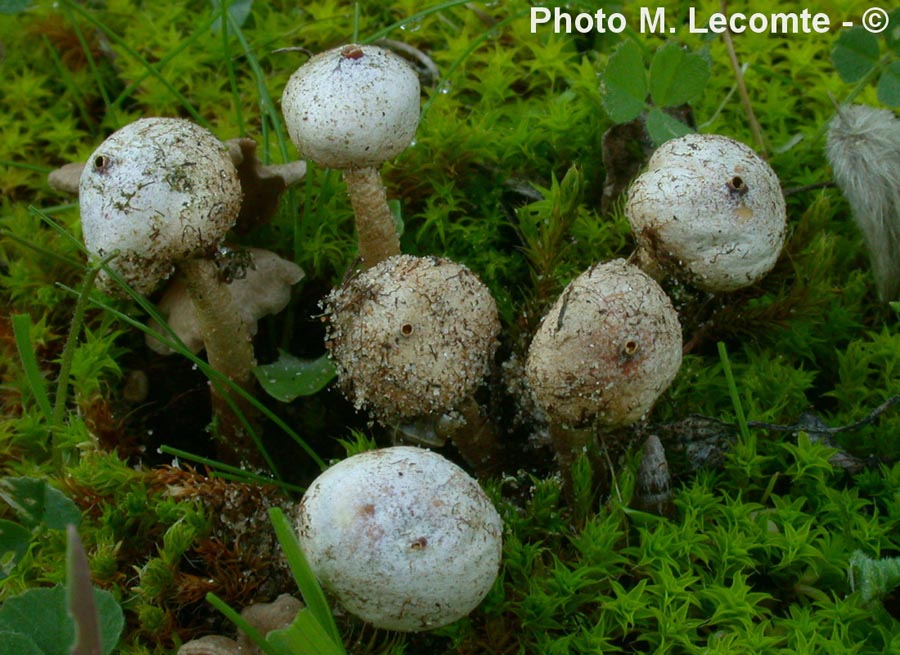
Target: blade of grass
267, 108
43, 252
473, 46
68, 353
415, 17
26, 166
173, 342
155, 70
733, 392
312, 593
229, 65
89, 56
221, 382
119, 41
305, 636
229, 472
255, 635
211, 373
71, 87
21, 324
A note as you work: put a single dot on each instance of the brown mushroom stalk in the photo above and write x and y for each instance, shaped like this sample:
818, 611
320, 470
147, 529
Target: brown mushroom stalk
375, 226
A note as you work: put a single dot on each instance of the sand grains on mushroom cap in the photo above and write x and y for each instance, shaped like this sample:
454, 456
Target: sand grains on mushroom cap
159, 190
411, 336
606, 350
710, 210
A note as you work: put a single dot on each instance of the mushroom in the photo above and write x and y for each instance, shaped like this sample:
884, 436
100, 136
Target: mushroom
163, 192
411, 339
403, 537
709, 209
353, 108
603, 354
260, 288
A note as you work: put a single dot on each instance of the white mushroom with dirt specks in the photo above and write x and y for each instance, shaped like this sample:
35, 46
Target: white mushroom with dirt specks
606, 350
403, 537
352, 108
163, 193
710, 210
412, 336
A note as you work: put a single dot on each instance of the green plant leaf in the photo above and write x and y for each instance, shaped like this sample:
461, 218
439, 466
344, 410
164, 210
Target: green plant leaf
855, 54
37, 503
15, 643
889, 85
239, 11
892, 34
677, 76
663, 127
22, 332
291, 377
13, 6
305, 636
14, 541
41, 615
625, 83
309, 587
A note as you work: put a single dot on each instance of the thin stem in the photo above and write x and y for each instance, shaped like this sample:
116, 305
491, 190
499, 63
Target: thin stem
570, 444
742, 90
68, 353
477, 440
375, 227
229, 350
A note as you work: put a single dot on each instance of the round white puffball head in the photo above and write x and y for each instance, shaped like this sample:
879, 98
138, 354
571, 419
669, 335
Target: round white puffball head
352, 107
709, 209
159, 190
412, 336
606, 350
403, 537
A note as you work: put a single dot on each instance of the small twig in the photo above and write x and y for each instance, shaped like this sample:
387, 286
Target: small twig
808, 187
878, 411
742, 89
413, 53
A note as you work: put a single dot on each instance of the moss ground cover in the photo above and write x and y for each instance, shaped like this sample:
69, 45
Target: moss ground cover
770, 544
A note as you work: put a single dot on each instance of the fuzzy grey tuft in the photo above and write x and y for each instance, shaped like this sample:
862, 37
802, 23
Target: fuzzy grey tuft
864, 151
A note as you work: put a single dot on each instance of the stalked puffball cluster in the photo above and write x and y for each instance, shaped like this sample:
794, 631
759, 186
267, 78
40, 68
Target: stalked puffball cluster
606, 350
403, 537
710, 210
159, 191
411, 336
